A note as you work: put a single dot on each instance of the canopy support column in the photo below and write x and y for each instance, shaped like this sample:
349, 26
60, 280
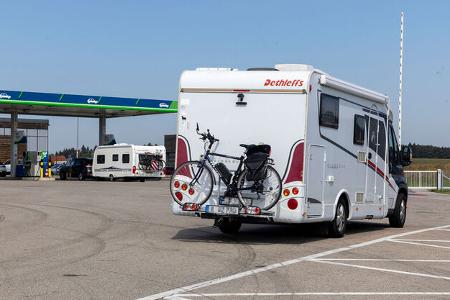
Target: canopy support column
13, 145
101, 129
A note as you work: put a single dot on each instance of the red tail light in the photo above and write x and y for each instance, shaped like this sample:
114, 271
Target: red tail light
179, 196
184, 186
295, 190
133, 169
292, 204
252, 210
286, 192
176, 184
191, 191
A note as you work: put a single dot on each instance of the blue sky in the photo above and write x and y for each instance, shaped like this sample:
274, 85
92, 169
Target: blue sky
140, 48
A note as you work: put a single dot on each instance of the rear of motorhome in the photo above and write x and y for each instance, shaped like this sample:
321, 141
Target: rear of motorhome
332, 143
129, 161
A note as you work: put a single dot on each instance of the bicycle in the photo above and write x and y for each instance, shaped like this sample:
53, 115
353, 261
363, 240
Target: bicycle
255, 183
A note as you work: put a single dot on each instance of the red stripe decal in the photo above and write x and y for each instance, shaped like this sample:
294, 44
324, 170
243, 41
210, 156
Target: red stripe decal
296, 166
182, 151
381, 173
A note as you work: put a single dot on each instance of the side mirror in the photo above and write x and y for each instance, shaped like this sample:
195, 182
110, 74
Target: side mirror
406, 155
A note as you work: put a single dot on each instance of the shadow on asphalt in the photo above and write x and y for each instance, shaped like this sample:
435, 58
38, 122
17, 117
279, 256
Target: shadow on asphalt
271, 234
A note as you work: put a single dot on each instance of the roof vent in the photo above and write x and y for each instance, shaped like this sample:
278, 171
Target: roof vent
262, 69
294, 67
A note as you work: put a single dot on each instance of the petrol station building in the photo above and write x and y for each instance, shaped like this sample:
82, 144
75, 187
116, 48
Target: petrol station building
17, 103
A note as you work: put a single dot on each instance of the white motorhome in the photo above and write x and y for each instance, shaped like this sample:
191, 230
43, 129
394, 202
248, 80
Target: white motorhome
333, 144
129, 161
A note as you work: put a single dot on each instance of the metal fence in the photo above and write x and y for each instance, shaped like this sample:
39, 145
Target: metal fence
427, 180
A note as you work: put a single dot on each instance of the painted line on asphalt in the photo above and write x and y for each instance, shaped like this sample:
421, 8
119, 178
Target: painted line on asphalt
382, 269
179, 297
386, 260
208, 283
419, 244
430, 241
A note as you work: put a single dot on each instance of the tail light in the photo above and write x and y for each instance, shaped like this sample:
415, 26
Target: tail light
133, 169
292, 204
286, 192
191, 206
295, 190
191, 191
176, 184
179, 196
252, 210
184, 186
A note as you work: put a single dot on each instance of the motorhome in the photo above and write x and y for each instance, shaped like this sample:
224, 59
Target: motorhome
332, 142
129, 161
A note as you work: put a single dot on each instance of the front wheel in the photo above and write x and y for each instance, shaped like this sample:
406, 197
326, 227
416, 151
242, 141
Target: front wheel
192, 182
398, 217
263, 194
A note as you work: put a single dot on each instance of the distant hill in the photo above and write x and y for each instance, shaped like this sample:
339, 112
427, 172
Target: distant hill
430, 151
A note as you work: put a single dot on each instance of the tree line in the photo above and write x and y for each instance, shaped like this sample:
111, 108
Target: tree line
429, 151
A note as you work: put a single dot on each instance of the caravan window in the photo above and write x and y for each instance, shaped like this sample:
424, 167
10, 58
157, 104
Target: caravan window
125, 158
359, 130
329, 111
115, 157
100, 159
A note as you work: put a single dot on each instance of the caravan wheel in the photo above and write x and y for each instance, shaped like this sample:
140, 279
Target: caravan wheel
111, 177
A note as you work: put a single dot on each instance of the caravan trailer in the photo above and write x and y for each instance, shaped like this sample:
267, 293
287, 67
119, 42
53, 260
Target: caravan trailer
331, 142
129, 161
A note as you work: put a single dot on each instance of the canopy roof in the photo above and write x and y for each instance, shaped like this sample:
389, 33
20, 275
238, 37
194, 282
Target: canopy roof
34, 103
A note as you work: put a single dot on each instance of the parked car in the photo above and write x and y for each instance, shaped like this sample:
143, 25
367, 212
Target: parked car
2, 171
7, 164
80, 168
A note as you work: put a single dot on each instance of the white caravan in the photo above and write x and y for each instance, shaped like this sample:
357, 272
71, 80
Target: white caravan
129, 161
332, 142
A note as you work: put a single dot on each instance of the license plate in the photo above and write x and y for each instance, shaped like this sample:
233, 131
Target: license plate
222, 210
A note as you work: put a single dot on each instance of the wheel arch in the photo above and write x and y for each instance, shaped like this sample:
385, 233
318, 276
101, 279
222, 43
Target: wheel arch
343, 194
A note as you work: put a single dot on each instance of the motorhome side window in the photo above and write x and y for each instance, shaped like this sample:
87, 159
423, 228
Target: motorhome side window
329, 111
377, 137
125, 158
100, 159
115, 157
359, 130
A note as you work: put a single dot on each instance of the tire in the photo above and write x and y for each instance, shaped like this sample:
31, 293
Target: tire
62, 176
81, 177
186, 174
228, 225
337, 227
111, 177
274, 182
398, 217
3, 174
142, 180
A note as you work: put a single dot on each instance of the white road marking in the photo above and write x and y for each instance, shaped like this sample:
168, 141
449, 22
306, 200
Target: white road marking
382, 269
431, 241
317, 294
420, 244
443, 229
281, 264
387, 260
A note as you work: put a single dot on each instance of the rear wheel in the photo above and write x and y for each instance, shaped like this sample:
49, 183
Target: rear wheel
81, 176
398, 218
192, 182
62, 176
266, 196
228, 225
142, 180
111, 177
337, 227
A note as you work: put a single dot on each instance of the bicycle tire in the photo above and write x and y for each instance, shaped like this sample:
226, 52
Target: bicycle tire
188, 171
242, 178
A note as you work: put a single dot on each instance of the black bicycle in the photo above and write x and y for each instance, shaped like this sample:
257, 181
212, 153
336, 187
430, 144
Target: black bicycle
255, 182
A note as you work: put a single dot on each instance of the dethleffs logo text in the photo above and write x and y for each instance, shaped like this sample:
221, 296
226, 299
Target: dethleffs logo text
283, 82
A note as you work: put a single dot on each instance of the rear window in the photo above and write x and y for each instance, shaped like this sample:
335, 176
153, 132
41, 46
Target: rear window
100, 159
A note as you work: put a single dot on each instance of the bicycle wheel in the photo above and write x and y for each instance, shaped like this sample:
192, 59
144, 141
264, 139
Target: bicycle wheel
191, 182
268, 193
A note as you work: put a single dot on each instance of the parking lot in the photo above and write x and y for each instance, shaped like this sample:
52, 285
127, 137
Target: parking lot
119, 240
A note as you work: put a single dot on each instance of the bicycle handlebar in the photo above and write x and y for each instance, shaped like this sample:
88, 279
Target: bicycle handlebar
207, 136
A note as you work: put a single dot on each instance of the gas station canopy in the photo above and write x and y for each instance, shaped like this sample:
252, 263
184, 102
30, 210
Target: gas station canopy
51, 104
